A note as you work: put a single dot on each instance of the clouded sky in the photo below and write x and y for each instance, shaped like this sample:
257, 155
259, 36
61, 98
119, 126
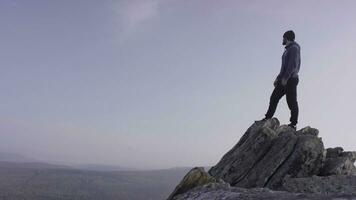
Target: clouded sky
165, 83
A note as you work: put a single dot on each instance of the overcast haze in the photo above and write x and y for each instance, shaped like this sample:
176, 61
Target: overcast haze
165, 83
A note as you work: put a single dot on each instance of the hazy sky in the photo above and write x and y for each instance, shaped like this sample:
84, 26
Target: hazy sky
165, 83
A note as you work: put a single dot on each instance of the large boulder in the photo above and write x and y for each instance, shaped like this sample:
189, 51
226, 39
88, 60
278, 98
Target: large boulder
338, 162
267, 153
195, 177
305, 159
252, 147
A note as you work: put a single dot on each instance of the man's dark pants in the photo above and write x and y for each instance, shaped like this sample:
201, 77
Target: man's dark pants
290, 90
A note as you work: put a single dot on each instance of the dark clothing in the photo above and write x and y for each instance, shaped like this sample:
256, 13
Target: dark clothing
290, 90
290, 62
289, 75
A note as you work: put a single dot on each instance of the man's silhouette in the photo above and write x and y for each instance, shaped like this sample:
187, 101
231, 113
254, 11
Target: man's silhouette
287, 79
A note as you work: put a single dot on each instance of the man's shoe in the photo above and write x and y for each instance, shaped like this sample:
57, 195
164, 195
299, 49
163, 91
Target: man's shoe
293, 126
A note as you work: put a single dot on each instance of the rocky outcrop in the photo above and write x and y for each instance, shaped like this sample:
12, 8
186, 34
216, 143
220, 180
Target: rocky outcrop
338, 162
278, 158
267, 153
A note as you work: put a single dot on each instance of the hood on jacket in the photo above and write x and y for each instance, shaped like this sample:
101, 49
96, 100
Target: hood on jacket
293, 43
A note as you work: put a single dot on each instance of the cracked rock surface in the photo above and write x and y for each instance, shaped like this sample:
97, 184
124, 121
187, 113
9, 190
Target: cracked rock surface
269, 157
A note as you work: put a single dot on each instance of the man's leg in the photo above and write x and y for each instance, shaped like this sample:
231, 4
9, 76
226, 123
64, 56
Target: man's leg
276, 95
291, 95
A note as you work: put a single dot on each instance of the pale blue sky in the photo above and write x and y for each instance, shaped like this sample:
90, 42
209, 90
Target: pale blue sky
164, 83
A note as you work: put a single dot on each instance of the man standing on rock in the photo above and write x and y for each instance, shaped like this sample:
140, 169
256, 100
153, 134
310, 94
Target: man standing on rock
287, 79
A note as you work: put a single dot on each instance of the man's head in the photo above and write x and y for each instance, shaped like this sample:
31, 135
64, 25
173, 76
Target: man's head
288, 36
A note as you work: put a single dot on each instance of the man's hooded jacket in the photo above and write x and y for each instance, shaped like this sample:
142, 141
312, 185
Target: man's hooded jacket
290, 62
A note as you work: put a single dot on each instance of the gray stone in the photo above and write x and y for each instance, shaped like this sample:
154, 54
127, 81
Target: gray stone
251, 148
335, 184
223, 191
305, 160
334, 152
262, 172
308, 131
338, 162
195, 177
267, 152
